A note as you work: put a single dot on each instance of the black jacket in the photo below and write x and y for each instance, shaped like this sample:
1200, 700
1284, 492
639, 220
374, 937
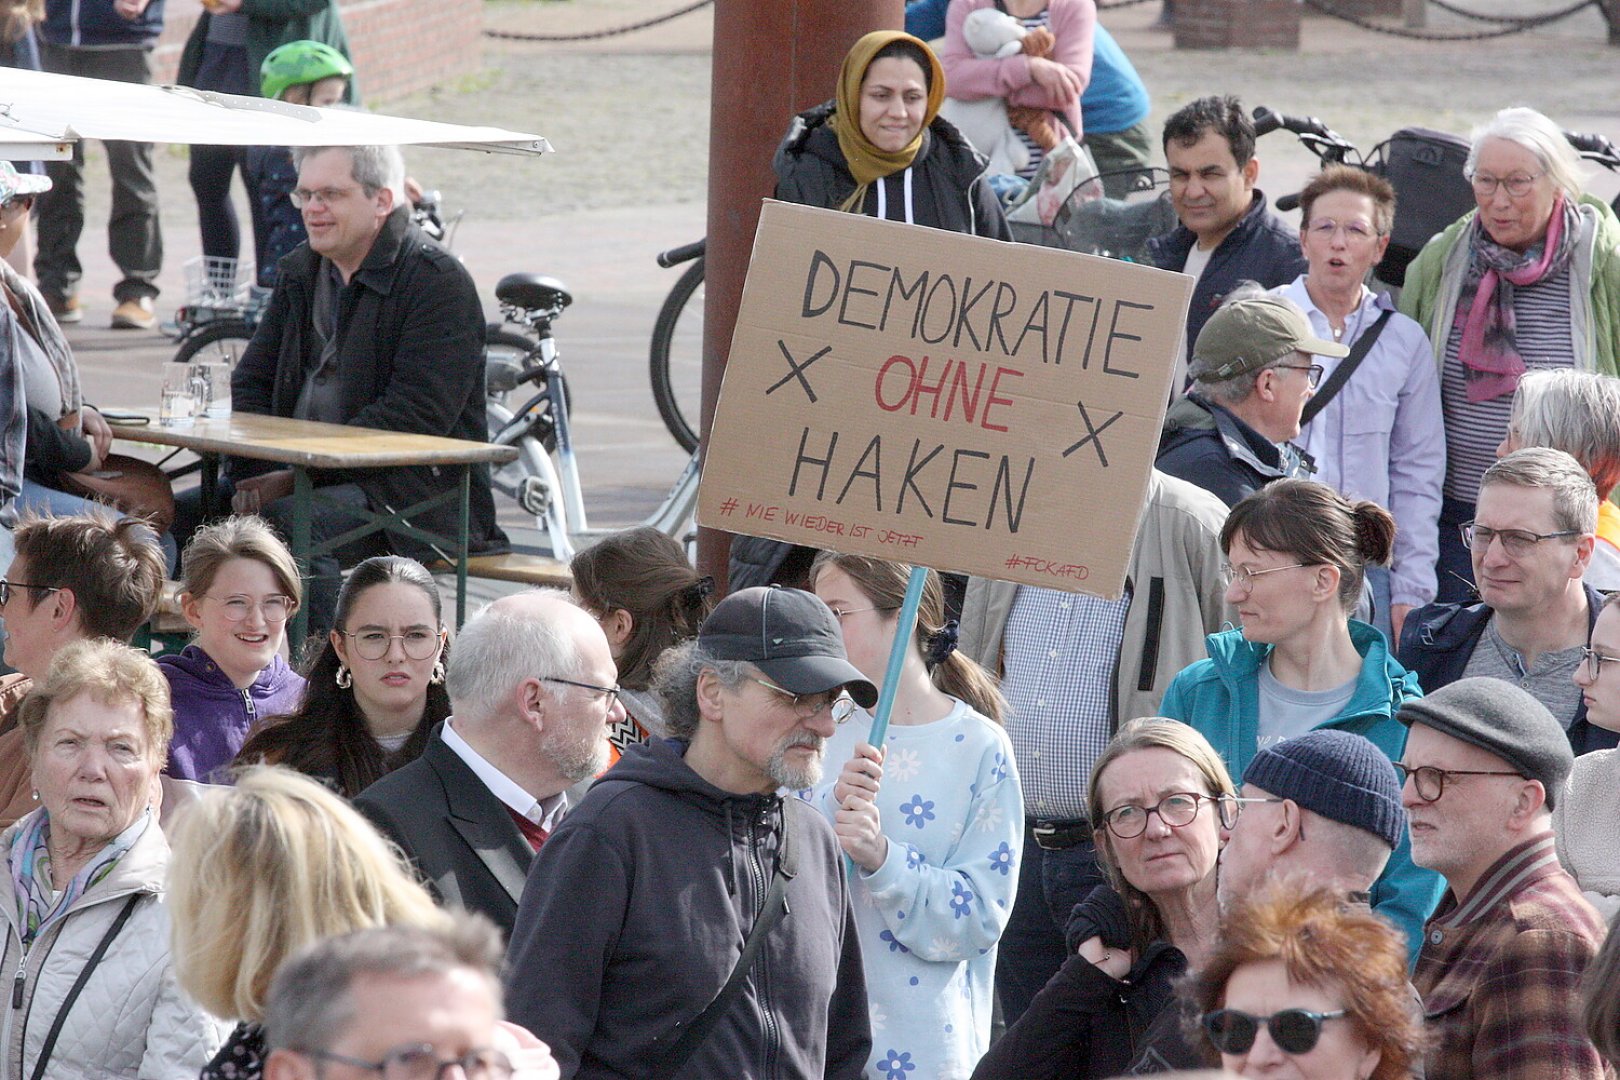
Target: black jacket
1263, 248
458, 834
1206, 444
1438, 640
638, 907
411, 359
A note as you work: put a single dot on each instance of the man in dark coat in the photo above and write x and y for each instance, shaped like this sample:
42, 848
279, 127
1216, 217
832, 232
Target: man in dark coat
1226, 234
532, 691
371, 324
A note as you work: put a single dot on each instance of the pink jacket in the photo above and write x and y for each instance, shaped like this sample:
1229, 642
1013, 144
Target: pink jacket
969, 78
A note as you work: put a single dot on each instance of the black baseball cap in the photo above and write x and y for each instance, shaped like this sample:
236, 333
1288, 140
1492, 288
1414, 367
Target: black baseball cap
791, 636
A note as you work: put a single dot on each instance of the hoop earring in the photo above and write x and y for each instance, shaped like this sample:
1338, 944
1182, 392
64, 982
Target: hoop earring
344, 680
437, 675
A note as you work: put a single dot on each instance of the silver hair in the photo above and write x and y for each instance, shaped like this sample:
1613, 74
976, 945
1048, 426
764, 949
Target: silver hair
1537, 134
675, 679
310, 1005
500, 647
1575, 502
1577, 412
372, 167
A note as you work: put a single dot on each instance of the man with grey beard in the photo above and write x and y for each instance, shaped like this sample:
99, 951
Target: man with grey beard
533, 691
641, 904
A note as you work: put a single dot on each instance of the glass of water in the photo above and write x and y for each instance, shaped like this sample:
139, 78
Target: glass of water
178, 404
216, 376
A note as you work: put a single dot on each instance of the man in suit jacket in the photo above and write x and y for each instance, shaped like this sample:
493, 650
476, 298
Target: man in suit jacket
533, 690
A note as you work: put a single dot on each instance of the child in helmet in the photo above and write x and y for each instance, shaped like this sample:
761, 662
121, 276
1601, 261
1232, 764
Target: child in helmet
302, 73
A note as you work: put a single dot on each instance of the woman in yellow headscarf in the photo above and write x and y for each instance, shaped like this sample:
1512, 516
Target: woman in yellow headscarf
881, 148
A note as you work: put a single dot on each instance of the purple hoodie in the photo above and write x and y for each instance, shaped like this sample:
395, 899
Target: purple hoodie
212, 717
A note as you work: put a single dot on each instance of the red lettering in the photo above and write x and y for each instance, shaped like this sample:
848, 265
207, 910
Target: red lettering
910, 378
996, 400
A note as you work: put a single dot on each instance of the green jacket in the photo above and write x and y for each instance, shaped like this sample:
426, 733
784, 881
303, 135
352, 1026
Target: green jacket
271, 24
1435, 278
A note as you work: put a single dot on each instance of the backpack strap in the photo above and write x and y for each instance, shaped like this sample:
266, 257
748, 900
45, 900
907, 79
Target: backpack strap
1342, 373
85, 972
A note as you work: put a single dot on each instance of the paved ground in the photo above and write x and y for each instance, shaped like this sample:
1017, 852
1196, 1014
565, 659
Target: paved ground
629, 118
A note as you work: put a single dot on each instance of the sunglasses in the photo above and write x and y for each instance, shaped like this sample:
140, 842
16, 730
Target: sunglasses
1293, 1031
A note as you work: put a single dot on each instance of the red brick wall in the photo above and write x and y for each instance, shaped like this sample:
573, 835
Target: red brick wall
1249, 24
399, 46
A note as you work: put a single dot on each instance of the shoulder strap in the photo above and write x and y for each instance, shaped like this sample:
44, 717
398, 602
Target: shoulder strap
681, 1050
85, 972
1342, 373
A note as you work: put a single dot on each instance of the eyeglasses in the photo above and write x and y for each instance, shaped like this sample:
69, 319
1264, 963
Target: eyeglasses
610, 692
7, 586
1242, 575
840, 707
374, 644
1590, 657
1430, 782
302, 197
839, 613
1313, 372
1516, 542
423, 1063
1175, 810
1293, 1031
1518, 185
275, 607
1325, 228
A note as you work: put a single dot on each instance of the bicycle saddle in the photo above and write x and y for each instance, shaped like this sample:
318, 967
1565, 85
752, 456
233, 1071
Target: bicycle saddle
533, 292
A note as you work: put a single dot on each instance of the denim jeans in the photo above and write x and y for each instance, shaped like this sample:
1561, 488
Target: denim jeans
1032, 949
1455, 567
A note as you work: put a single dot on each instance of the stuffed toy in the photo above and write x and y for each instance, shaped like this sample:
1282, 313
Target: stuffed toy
992, 35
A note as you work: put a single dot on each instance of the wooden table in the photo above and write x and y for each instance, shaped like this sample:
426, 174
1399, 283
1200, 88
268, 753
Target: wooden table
304, 445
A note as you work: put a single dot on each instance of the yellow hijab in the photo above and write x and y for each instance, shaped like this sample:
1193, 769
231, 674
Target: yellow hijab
866, 162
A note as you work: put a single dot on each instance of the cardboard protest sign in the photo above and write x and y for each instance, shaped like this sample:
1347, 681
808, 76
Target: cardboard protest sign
942, 400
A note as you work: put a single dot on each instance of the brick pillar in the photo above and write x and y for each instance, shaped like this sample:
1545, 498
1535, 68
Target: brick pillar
1242, 24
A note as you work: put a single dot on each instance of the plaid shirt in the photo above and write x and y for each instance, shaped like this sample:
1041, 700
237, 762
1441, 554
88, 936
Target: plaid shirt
1500, 974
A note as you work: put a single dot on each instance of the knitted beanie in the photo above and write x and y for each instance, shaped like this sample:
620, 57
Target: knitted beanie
1337, 774
1497, 716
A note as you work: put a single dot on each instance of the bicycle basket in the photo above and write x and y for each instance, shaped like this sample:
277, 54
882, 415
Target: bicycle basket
218, 282
1117, 228
1426, 169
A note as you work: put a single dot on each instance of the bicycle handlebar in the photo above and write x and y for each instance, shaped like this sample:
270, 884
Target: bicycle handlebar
1266, 121
684, 253
1595, 147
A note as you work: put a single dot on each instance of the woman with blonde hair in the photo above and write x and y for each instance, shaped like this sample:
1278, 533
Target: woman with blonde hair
1158, 799
240, 586
261, 870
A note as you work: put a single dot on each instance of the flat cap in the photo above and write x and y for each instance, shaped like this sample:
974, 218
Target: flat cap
1496, 715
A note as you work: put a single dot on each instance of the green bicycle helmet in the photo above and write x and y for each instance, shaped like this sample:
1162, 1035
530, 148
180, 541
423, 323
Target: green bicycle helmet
300, 62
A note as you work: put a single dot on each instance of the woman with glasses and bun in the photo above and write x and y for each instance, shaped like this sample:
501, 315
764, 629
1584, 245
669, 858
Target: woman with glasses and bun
1157, 801
1585, 818
376, 685
240, 585
1304, 984
1297, 553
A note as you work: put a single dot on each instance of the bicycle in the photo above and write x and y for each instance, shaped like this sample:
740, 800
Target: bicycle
544, 480
675, 357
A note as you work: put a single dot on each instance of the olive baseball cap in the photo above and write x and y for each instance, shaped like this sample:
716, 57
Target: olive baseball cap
791, 636
1246, 335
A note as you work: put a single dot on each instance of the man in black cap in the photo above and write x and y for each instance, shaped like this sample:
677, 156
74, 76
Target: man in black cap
1503, 955
684, 871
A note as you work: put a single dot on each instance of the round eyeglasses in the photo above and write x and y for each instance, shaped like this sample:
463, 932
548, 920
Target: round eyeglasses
275, 608
1593, 659
374, 644
840, 706
1430, 782
1175, 810
1293, 1031
1518, 185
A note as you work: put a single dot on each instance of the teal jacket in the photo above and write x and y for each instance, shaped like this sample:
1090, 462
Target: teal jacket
1220, 697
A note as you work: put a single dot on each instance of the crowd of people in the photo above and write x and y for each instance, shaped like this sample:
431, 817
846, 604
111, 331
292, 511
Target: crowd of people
1327, 793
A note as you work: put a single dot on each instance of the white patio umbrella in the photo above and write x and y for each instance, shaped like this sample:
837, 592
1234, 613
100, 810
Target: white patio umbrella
42, 114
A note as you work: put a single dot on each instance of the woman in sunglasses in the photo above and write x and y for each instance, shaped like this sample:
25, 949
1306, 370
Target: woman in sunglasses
1297, 554
1584, 819
376, 685
1155, 800
1307, 986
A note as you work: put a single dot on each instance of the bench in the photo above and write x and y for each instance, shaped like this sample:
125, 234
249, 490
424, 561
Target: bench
539, 570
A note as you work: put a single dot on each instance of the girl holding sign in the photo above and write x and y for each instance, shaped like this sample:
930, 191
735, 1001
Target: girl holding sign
933, 823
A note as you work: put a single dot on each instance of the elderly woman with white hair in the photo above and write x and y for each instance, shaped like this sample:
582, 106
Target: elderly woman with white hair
1529, 279
1577, 412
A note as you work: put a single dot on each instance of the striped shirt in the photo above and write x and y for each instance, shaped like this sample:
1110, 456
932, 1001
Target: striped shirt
1500, 973
1059, 654
1034, 22
1541, 326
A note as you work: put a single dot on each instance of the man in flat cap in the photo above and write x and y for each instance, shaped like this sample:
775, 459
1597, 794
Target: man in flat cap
1253, 370
1503, 955
682, 871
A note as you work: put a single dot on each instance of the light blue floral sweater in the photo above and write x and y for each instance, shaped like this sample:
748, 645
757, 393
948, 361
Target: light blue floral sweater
931, 915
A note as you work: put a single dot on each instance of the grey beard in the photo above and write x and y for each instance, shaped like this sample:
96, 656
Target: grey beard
796, 778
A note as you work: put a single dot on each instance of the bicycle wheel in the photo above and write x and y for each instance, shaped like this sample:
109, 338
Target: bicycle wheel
224, 340
502, 347
676, 359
